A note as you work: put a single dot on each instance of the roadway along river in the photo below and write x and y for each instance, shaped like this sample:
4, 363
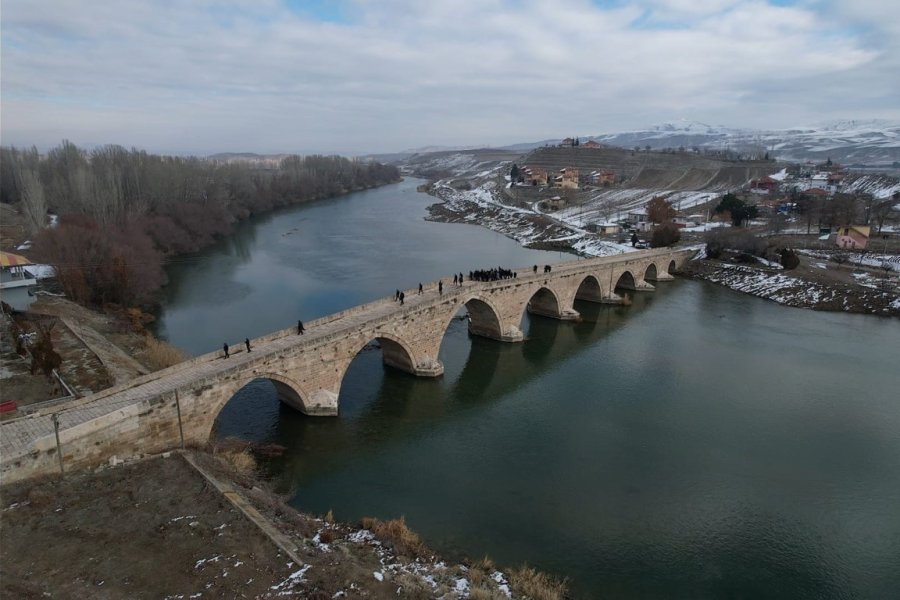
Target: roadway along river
697, 444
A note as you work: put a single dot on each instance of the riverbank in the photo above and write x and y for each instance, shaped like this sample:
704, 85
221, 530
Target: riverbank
215, 530
817, 283
828, 281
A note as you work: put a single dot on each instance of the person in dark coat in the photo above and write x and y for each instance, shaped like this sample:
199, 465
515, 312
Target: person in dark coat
634, 239
300, 328
420, 288
247, 343
440, 287
225, 349
402, 296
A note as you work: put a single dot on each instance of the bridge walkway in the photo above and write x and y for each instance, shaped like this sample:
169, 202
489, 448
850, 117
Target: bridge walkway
19, 435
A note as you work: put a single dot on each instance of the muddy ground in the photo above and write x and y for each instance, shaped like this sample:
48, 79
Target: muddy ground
156, 528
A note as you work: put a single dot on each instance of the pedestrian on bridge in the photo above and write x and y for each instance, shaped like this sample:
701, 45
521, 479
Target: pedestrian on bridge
420, 288
440, 287
397, 296
455, 279
460, 279
225, 349
247, 343
535, 269
402, 296
300, 328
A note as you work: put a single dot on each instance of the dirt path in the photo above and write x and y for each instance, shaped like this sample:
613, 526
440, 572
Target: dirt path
120, 366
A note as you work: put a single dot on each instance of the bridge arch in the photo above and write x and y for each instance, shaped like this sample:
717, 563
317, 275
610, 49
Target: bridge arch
626, 280
289, 392
672, 267
650, 274
484, 318
544, 302
395, 352
590, 289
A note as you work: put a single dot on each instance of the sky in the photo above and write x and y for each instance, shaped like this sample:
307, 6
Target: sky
366, 76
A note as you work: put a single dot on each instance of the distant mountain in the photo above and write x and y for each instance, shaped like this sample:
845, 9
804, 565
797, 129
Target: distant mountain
873, 142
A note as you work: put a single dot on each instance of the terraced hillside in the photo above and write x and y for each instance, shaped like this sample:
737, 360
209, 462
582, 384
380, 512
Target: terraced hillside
653, 170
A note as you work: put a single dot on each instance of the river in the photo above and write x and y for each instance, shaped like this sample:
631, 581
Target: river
697, 444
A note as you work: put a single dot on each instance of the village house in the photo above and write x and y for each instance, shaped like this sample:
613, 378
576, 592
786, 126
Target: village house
853, 237
590, 144
638, 219
15, 279
819, 180
604, 178
556, 203
567, 143
567, 178
764, 185
604, 227
535, 176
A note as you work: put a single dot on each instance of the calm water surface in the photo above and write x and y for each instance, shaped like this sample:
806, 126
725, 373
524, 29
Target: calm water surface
697, 444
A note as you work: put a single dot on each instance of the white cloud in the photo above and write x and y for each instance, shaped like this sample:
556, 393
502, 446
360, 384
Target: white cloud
249, 75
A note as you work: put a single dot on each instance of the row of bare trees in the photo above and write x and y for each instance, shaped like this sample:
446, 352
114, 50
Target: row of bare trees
843, 209
121, 212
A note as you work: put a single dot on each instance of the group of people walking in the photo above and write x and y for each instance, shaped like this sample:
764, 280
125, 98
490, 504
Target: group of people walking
494, 274
226, 349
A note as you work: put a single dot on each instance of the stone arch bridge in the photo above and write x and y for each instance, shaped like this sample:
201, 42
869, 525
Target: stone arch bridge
162, 410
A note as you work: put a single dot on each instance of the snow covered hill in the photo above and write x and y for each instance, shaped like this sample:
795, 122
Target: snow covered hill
873, 142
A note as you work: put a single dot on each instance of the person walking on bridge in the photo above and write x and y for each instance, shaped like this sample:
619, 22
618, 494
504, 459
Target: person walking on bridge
402, 296
225, 349
420, 289
300, 328
247, 343
440, 287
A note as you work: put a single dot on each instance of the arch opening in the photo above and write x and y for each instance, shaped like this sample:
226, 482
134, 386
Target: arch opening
650, 274
253, 409
672, 267
394, 354
625, 281
589, 290
483, 319
544, 303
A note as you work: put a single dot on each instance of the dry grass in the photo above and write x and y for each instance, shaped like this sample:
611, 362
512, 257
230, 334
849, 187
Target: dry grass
160, 354
479, 593
537, 585
236, 459
402, 538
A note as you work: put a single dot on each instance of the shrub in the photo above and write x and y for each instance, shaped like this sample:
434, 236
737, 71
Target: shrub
665, 235
537, 585
161, 354
789, 259
395, 531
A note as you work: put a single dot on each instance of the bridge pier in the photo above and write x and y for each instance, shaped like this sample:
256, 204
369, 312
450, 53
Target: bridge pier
664, 277
644, 287
434, 368
512, 334
323, 403
566, 314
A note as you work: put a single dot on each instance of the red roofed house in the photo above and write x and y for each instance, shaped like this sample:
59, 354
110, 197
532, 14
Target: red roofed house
590, 144
764, 185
